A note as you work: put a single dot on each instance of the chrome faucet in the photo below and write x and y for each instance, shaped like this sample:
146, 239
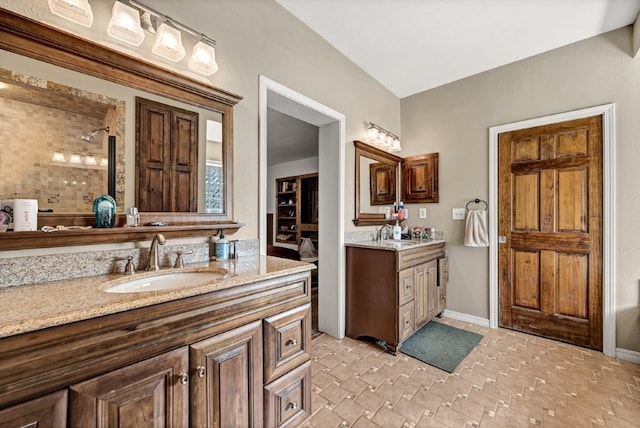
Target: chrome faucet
154, 260
382, 234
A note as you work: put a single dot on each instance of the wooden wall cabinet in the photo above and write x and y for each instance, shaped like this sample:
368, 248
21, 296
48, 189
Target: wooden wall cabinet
391, 293
234, 357
297, 209
420, 179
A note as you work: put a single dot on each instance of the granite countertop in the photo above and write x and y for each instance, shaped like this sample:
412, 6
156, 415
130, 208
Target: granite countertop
34, 307
395, 244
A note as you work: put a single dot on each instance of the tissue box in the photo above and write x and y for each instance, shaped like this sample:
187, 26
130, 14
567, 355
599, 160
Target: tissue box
25, 215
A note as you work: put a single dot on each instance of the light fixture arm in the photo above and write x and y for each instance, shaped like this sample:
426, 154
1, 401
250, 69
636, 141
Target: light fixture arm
381, 129
172, 21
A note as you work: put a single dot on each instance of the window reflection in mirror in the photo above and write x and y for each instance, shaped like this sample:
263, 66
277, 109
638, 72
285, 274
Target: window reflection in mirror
214, 176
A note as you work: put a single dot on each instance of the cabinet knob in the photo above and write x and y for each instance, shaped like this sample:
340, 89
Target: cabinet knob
293, 405
183, 378
291, 342
200, 371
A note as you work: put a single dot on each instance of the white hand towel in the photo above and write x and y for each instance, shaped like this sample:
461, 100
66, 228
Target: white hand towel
475, 234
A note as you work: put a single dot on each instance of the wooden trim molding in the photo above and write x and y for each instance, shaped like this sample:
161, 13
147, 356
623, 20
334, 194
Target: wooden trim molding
33, 39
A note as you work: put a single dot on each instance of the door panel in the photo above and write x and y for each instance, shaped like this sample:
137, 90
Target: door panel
550, 210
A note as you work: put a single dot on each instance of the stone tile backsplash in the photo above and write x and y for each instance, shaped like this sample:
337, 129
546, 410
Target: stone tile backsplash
55, 267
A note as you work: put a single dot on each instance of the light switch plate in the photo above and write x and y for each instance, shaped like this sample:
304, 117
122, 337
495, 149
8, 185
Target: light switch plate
422, 213
457, 213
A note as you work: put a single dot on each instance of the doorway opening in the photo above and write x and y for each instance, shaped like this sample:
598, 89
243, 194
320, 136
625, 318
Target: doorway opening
279, 99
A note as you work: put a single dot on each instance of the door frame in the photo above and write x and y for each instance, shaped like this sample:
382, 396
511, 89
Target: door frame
607, 111
331, 173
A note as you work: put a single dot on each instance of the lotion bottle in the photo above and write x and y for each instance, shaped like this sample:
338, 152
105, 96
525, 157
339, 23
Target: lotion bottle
397, 231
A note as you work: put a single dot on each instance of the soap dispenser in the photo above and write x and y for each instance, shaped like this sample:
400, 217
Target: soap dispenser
397, 231
222, 247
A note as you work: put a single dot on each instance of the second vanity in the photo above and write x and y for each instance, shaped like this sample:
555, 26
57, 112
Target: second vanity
227, 352
393, 288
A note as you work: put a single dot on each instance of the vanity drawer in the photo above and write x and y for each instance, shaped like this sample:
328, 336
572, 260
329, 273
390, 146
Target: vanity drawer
287, 341
287, 401
406, 286
406, 315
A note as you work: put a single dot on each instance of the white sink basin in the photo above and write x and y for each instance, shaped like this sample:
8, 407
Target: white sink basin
168, 281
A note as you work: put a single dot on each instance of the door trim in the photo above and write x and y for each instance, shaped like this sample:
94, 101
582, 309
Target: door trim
331, 148
607, 111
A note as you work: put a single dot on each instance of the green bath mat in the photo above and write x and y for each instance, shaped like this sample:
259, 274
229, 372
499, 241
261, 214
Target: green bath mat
440, 345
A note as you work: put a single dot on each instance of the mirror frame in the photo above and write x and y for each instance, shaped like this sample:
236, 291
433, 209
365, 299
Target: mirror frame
24, 36
365, 150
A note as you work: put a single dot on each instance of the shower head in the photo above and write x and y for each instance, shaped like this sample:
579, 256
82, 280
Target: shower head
89, 137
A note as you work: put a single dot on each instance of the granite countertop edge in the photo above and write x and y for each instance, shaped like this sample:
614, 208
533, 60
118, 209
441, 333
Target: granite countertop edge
394, 245
35, 307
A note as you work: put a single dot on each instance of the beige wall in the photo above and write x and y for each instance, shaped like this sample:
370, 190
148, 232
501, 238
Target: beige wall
454, 120
258, 37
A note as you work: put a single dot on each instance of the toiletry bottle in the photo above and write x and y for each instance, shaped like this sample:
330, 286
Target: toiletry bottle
222, 247
401, 212
405, 211
397, 231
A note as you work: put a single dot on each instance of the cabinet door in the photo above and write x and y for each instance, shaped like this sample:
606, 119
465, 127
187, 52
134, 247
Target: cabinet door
426, 301
443, 279
49, 411
151, 393
420, 179
432, 288
227, 384
406, 322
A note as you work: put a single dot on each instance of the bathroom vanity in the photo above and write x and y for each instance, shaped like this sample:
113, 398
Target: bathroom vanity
229, 352
393, 288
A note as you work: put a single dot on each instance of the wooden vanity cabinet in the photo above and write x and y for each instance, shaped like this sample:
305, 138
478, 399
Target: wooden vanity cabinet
390, 293
194, 362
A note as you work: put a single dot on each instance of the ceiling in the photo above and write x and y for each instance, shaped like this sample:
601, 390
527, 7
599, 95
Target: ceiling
410, 46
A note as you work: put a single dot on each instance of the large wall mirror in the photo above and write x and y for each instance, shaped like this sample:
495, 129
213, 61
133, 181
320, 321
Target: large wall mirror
87, 94
376, 183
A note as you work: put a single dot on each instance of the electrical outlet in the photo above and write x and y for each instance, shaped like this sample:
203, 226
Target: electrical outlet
422, 213
457, 213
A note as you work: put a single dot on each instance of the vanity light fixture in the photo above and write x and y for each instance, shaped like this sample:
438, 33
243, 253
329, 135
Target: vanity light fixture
203, 58
104, 162
125, 24
75, 159
90, 160
168, 43
58, 157
380, 137
78, 11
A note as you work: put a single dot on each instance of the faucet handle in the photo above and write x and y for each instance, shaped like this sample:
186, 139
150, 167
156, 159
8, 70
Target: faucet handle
179, 261
129, 268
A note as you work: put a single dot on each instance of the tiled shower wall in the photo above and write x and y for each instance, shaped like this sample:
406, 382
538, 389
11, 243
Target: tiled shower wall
29, 135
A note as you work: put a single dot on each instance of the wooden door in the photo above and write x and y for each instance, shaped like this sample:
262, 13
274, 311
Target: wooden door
550, 215
152, 393
166, 158
227, 389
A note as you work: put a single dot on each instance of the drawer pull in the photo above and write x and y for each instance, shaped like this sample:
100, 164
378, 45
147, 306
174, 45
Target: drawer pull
183, 378
291, 342
292, 405
201, 371
407, 322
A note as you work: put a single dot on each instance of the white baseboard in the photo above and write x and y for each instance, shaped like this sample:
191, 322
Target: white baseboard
627, 355
471, 319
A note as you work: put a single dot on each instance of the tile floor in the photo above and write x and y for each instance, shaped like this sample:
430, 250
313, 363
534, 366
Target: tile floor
509, 380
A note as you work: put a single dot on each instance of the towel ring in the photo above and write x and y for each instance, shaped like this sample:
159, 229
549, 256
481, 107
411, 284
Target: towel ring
476, 201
